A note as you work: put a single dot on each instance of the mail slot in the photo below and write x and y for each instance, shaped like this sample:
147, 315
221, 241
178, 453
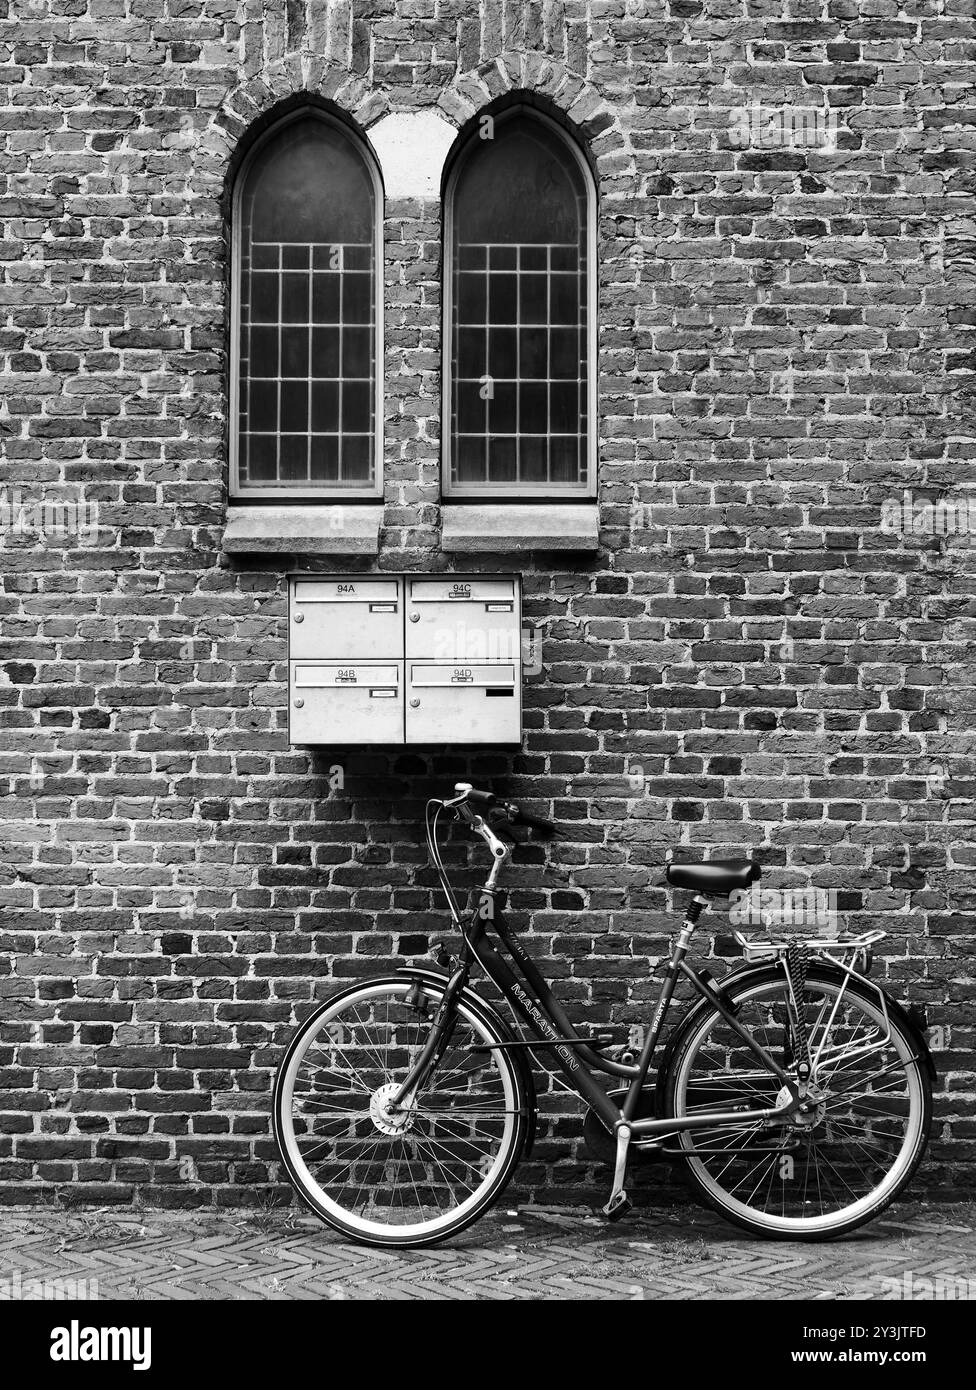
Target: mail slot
463, 702
345, 702
346, 617
464, 617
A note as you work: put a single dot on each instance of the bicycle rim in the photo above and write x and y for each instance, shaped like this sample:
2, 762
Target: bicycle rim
862, 1140
396, 1178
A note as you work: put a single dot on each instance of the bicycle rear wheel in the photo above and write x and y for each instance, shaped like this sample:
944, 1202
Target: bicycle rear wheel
825, 1173
408, 1177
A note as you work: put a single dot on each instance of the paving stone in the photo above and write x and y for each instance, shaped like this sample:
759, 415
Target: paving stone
551, 1257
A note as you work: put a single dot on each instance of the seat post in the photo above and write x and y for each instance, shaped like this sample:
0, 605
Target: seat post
695, 909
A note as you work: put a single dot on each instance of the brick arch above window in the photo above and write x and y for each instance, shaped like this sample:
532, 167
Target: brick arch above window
301, 76
473, 90
560, 92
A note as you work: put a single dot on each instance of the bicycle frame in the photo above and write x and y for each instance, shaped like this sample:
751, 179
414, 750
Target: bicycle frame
531, 998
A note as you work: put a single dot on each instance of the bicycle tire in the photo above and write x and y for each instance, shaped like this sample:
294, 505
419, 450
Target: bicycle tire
480, 1020
695, 1028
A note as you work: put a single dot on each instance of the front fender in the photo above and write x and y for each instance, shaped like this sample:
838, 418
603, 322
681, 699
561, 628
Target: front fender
433, 975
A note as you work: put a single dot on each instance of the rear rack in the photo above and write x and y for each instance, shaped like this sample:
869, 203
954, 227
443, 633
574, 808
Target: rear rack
849, 952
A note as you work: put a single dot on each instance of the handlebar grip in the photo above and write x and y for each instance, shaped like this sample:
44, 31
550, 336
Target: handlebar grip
482, 798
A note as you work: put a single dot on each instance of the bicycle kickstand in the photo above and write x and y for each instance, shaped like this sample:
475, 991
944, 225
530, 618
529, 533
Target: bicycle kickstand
619, 1202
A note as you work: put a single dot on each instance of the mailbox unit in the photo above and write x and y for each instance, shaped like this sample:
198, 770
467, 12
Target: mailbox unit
401, 659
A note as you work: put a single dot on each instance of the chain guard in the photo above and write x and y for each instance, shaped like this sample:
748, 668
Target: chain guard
600, 1143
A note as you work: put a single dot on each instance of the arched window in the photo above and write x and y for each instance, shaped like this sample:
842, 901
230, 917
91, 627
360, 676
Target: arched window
307, 319
519, 312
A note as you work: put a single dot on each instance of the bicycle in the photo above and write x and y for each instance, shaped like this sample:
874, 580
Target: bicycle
796, 1093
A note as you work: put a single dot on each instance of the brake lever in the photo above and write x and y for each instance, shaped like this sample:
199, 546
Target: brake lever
500, 823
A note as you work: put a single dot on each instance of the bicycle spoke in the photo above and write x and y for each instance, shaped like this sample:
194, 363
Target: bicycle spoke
823, 1161
416, 1164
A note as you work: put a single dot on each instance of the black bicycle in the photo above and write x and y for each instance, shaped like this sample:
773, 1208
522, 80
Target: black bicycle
796, 1092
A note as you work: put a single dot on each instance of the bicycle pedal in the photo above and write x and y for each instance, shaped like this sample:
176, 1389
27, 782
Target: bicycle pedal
618, 1206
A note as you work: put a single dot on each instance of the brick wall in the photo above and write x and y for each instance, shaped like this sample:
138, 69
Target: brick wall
784, 346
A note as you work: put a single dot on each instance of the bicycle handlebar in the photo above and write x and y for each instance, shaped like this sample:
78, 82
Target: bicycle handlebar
507, 810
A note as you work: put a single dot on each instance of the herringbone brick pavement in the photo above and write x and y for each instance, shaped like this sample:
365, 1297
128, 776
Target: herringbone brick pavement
524, 1253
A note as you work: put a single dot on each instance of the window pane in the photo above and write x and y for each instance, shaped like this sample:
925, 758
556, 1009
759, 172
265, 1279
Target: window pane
470, 458
264, 298
326, 344
519, 311
357, 347
471, 407
502, 407
294, 406
325, 459
325, 406
357, 402
293, 457
307, 345
355, 457
471, 298
502, 298
263, 405
533, 299
294, 352
472, 352
325, 297
262, 454
263, 357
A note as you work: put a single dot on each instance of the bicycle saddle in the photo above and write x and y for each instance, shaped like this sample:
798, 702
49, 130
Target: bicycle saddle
718, 876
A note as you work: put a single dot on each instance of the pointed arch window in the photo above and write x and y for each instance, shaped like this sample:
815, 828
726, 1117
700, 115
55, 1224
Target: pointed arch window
307, 316
520, 313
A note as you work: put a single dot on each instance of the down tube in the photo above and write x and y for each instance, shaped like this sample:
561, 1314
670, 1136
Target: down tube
545, 997
572, 1068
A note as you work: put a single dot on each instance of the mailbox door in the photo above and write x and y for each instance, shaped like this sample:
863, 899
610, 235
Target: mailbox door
337, 703
452, 703
346, 616
469, 619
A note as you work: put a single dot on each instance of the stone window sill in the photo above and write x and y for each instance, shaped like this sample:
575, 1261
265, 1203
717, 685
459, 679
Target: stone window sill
507, 527
339, 529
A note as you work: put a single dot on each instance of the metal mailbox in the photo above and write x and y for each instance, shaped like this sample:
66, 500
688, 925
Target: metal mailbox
449, 702
346, 616
395, 659
464, 618
345, 702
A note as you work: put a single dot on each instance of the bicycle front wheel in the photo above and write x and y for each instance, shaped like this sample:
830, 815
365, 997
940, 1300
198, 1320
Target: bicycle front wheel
825, 1172
409, 1176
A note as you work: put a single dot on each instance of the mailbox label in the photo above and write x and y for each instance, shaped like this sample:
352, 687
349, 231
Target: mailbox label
324, 674
346, 591
446, 673
461, 590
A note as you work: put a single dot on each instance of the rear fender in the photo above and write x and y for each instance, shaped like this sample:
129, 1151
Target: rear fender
912, 1019
431, 975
